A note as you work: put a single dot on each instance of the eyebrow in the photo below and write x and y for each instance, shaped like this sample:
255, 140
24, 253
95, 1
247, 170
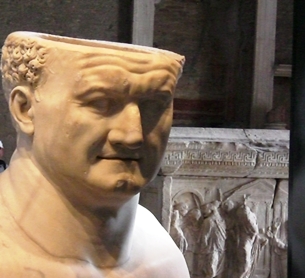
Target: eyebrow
150, 82
99, 90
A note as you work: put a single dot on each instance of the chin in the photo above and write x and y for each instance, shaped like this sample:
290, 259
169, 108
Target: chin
97, 194
127, 186
123, 183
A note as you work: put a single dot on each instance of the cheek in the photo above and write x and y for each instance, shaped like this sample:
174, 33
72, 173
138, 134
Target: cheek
87, 136
160, 134
75, 125
165, 124
73, 128
156, 145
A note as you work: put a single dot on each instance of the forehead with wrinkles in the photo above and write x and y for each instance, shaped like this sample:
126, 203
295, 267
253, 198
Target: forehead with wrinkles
100, 71
159, 68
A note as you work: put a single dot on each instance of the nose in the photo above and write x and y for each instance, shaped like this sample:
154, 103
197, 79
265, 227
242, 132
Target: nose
127, 128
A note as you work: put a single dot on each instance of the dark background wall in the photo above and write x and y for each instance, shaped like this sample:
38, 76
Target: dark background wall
283, 55
216, 36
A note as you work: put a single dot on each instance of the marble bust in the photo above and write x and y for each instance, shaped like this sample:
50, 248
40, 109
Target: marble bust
92, 121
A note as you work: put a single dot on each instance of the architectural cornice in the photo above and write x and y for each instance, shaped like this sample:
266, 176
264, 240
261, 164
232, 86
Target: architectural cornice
227, 153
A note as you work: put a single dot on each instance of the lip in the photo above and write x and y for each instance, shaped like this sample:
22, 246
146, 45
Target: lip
122, 158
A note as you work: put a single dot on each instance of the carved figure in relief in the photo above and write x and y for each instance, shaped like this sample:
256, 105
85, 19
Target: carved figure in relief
177, 233
177, 223
248, 241
278, 237
182, 209
229, 215
92, 120
191, 225
212, 241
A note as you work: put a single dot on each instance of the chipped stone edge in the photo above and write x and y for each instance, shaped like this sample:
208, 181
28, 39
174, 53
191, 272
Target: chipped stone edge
218, 152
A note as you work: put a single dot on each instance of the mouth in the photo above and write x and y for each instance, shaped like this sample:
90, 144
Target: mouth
120, 157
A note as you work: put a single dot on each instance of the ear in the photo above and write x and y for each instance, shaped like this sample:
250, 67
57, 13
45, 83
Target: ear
21, 107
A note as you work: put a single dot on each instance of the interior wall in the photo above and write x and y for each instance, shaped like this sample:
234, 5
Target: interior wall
283, 55
218, 39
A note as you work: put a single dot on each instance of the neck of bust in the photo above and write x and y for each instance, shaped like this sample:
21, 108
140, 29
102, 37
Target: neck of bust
100, 236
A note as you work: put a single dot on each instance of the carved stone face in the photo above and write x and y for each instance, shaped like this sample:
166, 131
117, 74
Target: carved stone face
228, 205
195, 214
183, 208
101, 124
207, 209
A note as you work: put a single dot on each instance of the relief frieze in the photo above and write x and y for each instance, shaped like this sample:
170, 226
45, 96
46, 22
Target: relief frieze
239, 158
228, 227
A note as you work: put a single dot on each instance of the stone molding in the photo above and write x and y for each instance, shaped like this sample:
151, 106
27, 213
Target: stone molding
227, 153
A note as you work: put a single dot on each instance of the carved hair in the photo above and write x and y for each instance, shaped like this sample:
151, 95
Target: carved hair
21, 63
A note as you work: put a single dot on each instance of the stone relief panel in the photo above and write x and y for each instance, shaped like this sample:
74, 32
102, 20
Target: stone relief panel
222, 194
228, 227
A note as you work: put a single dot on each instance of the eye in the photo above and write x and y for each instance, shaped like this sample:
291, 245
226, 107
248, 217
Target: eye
100, 105
104, 106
